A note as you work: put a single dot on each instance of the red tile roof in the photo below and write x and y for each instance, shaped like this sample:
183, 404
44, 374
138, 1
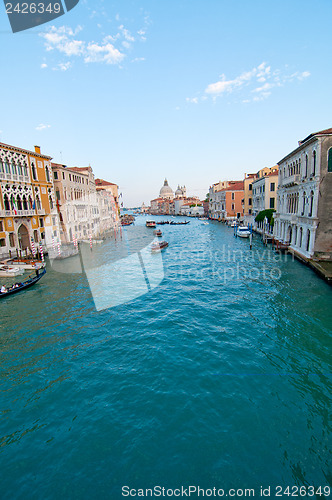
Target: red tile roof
235, 186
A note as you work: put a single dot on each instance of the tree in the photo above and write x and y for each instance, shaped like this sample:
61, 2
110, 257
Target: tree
266, 213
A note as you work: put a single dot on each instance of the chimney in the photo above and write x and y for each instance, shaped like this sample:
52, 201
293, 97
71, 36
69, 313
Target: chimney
37, 149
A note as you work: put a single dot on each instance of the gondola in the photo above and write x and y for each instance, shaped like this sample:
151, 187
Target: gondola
24, 285
180, 223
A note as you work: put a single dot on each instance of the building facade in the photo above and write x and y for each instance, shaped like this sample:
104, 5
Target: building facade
28, 214
264, 190
226, 200
304, 209
84, 210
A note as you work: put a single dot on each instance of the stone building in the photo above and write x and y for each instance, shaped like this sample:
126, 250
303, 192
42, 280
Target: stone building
304, 209
84, 209
28, 212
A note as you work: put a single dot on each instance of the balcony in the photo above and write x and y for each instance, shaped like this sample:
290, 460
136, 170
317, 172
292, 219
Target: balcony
290, 181
17, 213
21, 213
4, 176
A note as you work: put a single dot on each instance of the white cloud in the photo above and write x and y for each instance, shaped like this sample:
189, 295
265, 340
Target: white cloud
65, 41
246, 83
42, 126
62, 66
43, 66
102, 53
192, 99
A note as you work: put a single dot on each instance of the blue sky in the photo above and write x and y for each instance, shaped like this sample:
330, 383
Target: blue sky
193, 90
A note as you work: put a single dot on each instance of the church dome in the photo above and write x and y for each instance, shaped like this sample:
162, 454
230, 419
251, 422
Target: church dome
178, 192
166, 191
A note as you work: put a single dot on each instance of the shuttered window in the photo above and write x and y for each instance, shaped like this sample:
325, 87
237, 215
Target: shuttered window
329, 164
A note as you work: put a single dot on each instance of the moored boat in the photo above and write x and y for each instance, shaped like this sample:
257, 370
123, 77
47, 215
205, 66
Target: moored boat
243, 232
10, 271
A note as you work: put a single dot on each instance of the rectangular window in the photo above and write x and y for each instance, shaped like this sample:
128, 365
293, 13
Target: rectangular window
56, 175
233, 196
63, 175
57, 194
53, 221
41, 222
272, 186
233, 206
70, 177
2, 242
250, 201
272, 201
11, 240
249, 211
1, 225
250, 187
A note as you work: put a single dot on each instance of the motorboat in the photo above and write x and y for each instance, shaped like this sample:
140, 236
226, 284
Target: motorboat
157, 246
150, 223
23, 263
10, 271
243, 232
157, 232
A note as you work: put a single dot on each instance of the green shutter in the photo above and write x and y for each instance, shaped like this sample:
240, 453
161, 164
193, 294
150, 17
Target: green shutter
329, 164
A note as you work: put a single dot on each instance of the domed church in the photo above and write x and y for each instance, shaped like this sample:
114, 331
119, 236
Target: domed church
181, 191
166, 191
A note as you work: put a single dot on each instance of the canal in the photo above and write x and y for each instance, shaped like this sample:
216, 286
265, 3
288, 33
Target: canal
208, 365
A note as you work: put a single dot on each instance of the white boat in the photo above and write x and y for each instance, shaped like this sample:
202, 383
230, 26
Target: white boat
234, 223
243, 231
158, 247
23, 263
150, 223
10, 271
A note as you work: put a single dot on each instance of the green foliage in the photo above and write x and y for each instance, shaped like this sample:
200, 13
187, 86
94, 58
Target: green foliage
265, 213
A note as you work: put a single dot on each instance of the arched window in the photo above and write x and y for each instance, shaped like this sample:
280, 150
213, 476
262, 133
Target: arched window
299, 165
14, 170
20, 170
25, 203
47, 174
329, 161
314, 163
38, 202
303, 207
308, 240
306, 165
12, 202
1, 167
311, 203
6, 202
300, 237
51, 202
19, 203
34, 173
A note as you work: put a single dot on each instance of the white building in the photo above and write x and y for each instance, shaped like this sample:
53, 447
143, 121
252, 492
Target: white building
217, 201
304, 219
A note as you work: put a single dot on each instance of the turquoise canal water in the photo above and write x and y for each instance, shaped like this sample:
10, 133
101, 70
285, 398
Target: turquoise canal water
218, 377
